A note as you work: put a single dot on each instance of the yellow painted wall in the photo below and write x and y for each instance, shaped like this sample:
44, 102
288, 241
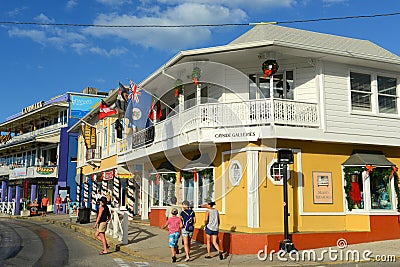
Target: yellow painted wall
235, 196
316, 157
356, 222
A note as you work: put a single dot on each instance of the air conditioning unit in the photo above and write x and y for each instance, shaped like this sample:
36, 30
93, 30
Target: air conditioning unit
90, 91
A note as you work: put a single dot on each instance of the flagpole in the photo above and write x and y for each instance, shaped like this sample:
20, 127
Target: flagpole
81, 120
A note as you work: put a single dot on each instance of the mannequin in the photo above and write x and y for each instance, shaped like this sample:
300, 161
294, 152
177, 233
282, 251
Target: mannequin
355, 192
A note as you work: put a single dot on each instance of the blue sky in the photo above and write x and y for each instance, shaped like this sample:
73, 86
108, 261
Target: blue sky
39, 62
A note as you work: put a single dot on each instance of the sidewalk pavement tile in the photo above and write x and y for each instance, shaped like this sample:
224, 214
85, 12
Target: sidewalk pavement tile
150, 243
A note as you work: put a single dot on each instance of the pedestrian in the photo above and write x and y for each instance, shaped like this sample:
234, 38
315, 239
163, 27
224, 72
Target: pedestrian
97, 198
45, 203
67, 200
102, 219
58, 203
212, 222
168, 214
174, 224
109, 197
188, 220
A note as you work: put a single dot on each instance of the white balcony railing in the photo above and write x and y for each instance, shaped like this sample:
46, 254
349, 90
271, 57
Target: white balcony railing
228, 115
35, 133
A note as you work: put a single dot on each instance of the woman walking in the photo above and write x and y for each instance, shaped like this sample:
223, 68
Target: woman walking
212, 226
103, 217
188, 221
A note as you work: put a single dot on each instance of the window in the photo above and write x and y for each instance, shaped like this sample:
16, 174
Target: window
200, 190
360, 91
63, 117
387, 95
235, 173
113, 139
373, 191
275, 172
206, 186
282, 83
366, 89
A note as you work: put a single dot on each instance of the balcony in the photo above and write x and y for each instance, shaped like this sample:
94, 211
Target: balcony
31, 136
93, 156
236, 115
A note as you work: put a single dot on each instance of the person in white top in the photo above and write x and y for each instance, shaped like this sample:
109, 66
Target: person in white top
212, 222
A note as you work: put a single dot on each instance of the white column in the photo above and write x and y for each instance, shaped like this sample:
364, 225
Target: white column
253, 208
145, 198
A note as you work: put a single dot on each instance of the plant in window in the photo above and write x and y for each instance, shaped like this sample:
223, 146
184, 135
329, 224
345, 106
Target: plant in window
196, 75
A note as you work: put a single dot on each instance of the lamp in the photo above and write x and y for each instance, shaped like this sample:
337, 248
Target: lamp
285, 156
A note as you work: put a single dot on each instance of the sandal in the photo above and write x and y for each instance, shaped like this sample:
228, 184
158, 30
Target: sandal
187, 259
208, 257
103, 253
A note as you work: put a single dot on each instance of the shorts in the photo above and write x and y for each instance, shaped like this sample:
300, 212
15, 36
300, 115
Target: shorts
102, 227
210, 232
44, 208
173, 239
187, 233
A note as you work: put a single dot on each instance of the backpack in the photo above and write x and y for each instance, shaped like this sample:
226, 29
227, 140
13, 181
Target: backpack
188, 225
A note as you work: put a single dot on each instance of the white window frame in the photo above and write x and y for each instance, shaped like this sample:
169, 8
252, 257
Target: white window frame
367, 198
105, 142
374, 109
233, 172
273, 181
113, 140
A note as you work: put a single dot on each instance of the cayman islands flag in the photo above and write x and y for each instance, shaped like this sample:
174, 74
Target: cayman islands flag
139, 105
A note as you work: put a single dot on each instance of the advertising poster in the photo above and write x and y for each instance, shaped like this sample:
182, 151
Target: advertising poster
73, 209
81, 105
322, 188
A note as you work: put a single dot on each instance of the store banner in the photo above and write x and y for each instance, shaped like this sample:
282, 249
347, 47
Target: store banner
18, 172
107, 175
89, 135
45, 172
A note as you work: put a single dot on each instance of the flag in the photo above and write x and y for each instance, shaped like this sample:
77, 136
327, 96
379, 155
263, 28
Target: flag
139, 104
105, 110
155, 108
118, 128
89, 135
122, 98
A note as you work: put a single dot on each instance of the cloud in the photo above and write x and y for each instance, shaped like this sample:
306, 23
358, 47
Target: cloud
108, 53
44, 19
113, 2
71, 4
167, 38
328, 3
243, 4
17, 11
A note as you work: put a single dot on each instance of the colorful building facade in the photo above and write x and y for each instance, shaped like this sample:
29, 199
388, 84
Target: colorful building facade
38, 156
227, 110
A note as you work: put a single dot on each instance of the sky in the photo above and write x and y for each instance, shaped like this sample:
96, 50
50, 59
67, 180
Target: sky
39, 62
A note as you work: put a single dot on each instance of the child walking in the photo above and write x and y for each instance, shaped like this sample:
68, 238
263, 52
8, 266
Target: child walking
174, 224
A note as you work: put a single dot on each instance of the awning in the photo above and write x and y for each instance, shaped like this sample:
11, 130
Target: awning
123, 173
362, 159
165, 168
199, 162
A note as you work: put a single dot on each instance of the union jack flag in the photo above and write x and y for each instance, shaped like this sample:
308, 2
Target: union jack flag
134, 92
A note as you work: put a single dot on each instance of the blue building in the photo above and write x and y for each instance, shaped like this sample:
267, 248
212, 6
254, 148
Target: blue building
37, 155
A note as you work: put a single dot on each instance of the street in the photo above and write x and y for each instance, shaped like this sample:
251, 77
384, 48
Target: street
42, 243
27, 243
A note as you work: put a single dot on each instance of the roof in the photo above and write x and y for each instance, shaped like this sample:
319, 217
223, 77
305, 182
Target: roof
314, 41
362, 159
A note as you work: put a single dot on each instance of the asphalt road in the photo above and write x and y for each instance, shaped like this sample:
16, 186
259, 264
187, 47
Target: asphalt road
27, 243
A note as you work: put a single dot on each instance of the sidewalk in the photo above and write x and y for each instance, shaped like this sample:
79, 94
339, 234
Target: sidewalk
150, 243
